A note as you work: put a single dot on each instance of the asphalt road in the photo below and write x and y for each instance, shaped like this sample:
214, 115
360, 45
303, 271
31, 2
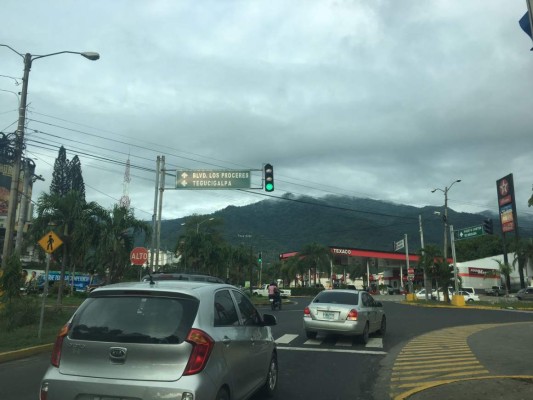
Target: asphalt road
333, 368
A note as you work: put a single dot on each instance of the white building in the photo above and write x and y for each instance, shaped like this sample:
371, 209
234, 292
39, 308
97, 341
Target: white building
479, 273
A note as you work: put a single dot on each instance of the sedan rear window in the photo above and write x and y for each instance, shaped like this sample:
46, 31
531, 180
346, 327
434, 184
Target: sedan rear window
331, 296
134, 319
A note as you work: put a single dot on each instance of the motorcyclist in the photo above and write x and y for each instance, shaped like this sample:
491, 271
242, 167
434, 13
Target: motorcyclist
273, 292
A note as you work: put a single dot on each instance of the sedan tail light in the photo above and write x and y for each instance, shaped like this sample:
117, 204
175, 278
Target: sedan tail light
307, 312
202, 345
56, 351
352, 315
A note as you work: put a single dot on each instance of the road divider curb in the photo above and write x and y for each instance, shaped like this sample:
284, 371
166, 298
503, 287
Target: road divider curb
16, 354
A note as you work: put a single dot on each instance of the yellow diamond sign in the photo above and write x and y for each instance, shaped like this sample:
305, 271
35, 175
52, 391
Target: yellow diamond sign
50, 242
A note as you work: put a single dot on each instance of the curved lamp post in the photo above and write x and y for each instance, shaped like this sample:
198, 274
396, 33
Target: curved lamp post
12, 206
199, 223
445, 217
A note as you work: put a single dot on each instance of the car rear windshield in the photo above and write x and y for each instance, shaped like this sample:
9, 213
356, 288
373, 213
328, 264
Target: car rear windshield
134, 319
331, 296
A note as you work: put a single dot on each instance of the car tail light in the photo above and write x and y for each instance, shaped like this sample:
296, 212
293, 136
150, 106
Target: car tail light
352, 315
56, 351
43, 394
307, 312
202, 346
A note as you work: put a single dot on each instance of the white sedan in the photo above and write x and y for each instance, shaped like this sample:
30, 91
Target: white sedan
421, 295
469, 297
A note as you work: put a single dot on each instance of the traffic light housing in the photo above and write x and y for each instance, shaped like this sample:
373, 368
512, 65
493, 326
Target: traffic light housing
269, 177
260, 257
487, 226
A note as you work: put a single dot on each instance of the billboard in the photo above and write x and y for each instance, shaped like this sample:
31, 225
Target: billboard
506, 203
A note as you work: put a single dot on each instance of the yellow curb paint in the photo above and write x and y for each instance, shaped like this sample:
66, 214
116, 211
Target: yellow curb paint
429, 385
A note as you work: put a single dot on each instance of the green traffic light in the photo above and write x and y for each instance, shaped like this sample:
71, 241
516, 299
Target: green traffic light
269, 187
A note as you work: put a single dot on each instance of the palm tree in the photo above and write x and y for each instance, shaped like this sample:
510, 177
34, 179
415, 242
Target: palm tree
68, 214
504, 269
315, 256
523, 253
115, 233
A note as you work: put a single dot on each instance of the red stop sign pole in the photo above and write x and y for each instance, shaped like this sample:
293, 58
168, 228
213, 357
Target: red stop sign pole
139, 256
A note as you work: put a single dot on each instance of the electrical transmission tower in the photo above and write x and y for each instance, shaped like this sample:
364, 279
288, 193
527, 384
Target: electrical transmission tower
125, 199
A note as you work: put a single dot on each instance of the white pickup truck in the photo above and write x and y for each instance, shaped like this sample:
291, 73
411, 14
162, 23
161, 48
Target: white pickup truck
263, 291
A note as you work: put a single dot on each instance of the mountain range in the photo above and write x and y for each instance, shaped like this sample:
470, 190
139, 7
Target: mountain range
286, 224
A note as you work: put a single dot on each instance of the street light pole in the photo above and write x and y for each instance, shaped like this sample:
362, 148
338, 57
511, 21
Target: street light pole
19, 145
445, 217
199, 223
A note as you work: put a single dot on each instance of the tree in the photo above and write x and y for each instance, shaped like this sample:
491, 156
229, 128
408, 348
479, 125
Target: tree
432, 262
315, 256
202, 249
75, 178
115, 232
66, 214
505, 270
60, 176
478, 247
523, 253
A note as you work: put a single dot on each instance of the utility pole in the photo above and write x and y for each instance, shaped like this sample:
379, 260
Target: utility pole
154, 215
445, 217
161, 190
19, 145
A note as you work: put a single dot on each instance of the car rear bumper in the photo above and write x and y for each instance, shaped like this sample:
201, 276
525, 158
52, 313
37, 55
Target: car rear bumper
68, 387
347, 328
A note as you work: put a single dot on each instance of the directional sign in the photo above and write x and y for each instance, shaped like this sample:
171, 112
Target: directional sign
468, 233
50, 242
213, 179
139, 256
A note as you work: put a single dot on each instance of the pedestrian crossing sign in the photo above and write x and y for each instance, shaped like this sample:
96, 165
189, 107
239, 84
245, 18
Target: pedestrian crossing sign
50, 242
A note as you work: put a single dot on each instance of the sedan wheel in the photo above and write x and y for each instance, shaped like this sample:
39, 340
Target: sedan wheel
271, 383
364, 336
383, 327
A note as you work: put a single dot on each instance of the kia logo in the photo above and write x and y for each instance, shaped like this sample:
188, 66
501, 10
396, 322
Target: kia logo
118, 353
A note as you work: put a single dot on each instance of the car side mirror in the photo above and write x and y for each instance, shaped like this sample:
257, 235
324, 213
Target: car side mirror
269, 320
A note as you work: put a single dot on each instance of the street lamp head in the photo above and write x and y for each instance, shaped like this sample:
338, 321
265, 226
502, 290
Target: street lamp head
91, 55
434, 190
458, 180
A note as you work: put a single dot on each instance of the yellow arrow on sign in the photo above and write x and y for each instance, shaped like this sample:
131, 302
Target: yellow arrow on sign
50, 242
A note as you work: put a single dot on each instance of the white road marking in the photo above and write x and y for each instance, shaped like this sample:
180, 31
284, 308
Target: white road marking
287, 338
375, 343
380, 353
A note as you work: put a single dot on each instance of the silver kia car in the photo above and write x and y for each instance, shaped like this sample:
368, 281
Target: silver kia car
344, 312
164, 340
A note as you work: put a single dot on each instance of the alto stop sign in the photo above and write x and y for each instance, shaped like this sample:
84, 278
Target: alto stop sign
139, 256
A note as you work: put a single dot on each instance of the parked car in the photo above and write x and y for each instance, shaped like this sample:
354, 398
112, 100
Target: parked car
469, 297
393, 290
263, 291
344, 312
421, 295
496, 291
439, 294
164, 339
468, 289
525, 294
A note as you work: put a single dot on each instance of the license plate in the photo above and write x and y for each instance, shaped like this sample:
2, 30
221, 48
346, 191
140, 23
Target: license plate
328, 315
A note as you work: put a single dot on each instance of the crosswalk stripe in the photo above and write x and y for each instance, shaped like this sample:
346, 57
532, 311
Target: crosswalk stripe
376, 343
287, 338
341, 341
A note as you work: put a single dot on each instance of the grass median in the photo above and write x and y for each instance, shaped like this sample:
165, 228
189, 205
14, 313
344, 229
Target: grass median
20, 320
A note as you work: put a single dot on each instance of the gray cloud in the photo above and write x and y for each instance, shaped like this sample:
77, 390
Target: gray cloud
383, 99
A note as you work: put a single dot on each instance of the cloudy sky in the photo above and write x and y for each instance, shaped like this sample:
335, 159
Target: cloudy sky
385, 99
